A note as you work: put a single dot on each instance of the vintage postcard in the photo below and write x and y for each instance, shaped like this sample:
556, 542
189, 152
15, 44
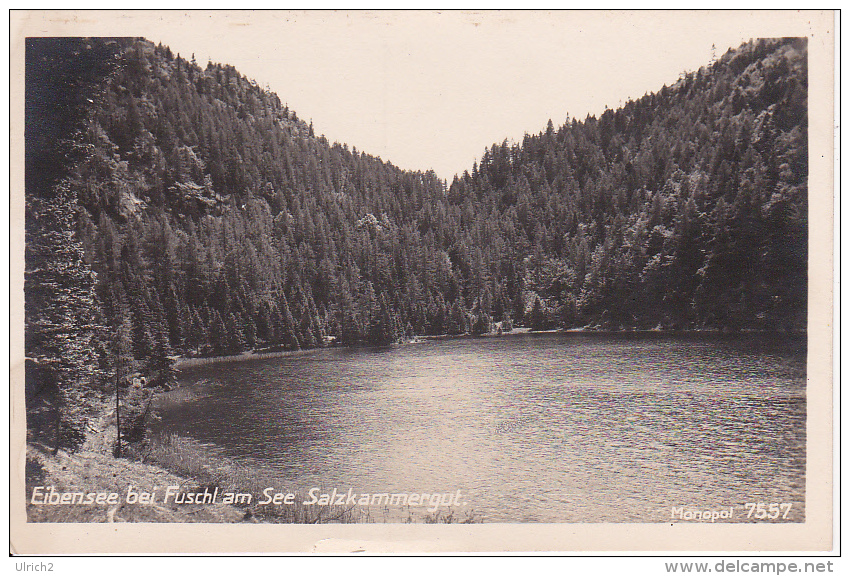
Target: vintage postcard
330, 281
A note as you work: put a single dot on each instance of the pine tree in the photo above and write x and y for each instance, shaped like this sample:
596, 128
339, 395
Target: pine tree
65, 337
538, 320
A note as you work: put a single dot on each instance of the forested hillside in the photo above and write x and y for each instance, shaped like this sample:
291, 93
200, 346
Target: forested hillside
686, 209
179, 209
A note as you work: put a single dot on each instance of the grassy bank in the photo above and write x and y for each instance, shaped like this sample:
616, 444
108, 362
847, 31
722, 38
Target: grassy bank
91, 471
187, 458
151, 466
174, 463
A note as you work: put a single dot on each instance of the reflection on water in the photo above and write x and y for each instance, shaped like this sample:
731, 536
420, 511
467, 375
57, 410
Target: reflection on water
533, 428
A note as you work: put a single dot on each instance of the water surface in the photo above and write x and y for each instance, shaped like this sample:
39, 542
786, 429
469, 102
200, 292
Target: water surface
531, 428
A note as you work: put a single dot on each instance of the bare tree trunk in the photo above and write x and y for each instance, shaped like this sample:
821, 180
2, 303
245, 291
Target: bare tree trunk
118, 403
58, 411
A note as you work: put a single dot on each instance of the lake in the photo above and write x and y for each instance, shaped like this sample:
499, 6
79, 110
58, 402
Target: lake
570, 427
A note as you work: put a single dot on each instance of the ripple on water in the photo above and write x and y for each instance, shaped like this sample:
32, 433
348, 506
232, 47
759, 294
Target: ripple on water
546, 428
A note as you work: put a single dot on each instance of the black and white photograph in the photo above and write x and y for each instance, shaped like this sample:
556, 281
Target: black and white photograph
360, 269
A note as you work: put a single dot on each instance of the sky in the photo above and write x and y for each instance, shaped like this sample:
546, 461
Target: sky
431, 90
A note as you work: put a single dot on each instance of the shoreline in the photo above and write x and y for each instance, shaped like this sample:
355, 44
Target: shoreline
181, 362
